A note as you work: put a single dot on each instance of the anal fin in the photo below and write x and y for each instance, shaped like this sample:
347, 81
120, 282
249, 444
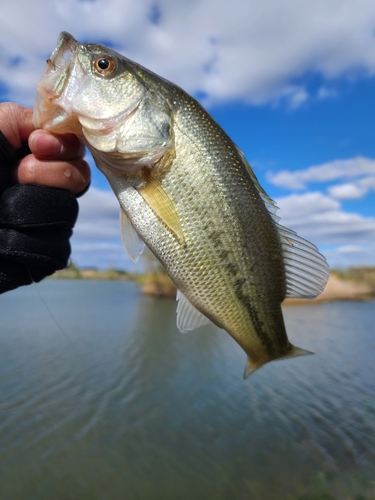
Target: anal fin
188, 317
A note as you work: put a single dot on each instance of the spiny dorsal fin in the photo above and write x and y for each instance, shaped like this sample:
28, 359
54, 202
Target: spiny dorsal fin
188, 317
270, 204
155, 196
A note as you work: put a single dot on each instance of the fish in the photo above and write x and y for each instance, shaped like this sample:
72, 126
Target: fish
187, 192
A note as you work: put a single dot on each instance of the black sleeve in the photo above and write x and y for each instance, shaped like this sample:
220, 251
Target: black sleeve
36, 223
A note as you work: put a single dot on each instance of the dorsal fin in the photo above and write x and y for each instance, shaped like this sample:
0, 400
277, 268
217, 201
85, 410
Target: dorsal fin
306, 269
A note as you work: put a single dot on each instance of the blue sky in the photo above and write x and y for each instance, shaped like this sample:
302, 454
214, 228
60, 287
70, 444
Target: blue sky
292, 82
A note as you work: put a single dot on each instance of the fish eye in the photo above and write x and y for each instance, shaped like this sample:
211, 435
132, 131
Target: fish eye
104, 65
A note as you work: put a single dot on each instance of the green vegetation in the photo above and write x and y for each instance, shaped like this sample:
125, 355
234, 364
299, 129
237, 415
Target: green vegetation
75, 273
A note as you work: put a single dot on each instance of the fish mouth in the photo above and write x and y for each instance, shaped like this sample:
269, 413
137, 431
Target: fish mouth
57, 76
60, 82
59, 68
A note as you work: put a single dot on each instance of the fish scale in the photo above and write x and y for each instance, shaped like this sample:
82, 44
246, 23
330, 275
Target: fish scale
187, 191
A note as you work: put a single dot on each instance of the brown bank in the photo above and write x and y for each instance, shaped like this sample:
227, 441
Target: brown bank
338, 288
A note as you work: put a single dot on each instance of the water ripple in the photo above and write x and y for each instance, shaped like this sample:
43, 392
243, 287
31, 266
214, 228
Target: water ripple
133, 409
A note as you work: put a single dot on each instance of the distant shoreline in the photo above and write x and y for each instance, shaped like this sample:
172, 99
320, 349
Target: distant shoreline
353, 284
339, 289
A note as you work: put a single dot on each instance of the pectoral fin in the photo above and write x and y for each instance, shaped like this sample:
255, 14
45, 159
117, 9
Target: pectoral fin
155, 196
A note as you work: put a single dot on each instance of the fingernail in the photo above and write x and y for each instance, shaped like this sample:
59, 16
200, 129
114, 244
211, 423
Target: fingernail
46, 145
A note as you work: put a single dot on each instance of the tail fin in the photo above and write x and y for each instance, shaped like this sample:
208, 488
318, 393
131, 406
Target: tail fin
296, 351
252, 366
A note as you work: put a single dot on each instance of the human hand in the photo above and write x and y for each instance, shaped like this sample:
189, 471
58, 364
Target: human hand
55, 160
40, 177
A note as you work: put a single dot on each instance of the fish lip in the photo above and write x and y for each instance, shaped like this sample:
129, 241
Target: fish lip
65, 43
60, 61
65, 38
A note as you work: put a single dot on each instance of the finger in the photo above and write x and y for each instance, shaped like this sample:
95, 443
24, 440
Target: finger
73, 175
16, 123
44, 144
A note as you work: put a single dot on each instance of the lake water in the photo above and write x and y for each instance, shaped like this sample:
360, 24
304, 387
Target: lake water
117, 404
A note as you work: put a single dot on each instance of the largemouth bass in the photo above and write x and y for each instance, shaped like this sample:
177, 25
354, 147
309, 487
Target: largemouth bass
187, 192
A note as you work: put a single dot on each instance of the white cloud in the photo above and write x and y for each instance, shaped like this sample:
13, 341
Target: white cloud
96, 241
345, 238
351, 168
356, 189
321, 220
294, 94
346, 191
352, 255
101, 256
98, 215
242, 49
325, 93
349, 249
